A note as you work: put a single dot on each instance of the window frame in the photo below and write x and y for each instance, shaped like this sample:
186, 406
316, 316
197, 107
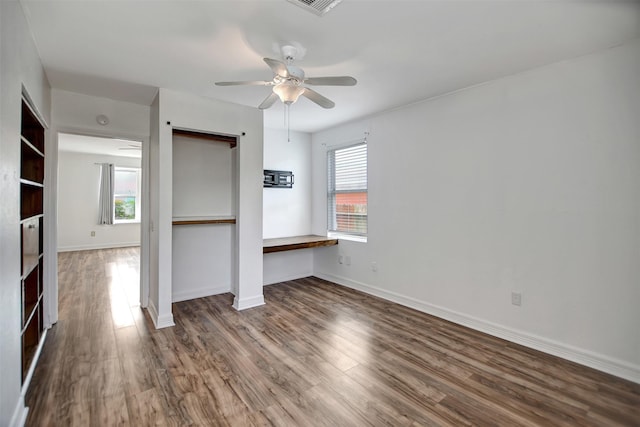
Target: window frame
332, 193
137, 196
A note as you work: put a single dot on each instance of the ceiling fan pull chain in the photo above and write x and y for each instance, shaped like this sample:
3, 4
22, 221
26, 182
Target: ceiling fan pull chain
288, 123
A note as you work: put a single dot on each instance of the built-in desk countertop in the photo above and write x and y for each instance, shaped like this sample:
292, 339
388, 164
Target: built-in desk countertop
296, 242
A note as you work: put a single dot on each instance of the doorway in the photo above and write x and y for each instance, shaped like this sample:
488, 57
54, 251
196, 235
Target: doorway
81, 161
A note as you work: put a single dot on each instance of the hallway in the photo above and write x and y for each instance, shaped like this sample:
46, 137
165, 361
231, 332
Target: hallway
78, 379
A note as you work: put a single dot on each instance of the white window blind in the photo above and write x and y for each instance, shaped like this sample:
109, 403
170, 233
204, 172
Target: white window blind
347, 190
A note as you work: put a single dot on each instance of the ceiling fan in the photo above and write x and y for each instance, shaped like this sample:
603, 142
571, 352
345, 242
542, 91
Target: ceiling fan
131, 147
288, 82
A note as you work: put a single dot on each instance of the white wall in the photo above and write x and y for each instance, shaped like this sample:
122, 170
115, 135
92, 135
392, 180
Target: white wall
287, 211
287, 265
78, 194
202, 178
202, 260
19, 66
530, 183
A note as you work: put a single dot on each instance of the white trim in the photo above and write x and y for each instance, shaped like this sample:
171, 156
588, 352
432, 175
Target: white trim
32, 106
34, 362
244, 303
199, 293
159, 322
584, 357
98, 246
19, 417
20, 413
50, 273
145, 242
165, 321
346, 236
153, 312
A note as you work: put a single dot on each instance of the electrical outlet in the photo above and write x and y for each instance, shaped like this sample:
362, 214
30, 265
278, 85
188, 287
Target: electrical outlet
374, 266
340, 259
516, 298
347, 260
93, 234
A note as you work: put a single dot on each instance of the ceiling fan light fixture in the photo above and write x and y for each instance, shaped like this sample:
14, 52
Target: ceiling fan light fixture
287, 92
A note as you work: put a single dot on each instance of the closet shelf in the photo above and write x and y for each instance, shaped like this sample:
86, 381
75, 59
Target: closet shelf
195, 220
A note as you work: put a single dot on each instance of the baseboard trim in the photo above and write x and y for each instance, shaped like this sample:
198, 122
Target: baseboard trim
100, 246
245, 303
584, 357
159, 321
199, 293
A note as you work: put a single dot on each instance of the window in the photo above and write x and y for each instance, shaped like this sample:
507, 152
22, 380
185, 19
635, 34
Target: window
347, 190
126, 195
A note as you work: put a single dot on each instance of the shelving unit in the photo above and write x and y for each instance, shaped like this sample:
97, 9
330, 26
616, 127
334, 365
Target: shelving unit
31, 231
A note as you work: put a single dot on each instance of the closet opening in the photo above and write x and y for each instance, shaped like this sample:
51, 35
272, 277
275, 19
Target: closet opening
203, 214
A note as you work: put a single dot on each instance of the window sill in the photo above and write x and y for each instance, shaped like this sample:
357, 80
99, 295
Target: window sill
126, 222
346, 236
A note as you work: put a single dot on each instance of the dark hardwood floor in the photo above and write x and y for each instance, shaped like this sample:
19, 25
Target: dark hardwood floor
317, 354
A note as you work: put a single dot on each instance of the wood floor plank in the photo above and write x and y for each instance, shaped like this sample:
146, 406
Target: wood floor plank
412, 409
223, 399
367, 402
146, 408
105, 378
136, 375
317, 354
69, 413
109, 411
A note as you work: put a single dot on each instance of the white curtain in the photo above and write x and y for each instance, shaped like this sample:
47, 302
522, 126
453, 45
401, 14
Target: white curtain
105, 209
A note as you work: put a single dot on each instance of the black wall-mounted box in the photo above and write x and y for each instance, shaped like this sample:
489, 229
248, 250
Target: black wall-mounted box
278, 179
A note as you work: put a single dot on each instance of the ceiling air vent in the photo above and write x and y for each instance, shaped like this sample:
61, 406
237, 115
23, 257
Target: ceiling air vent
318, 7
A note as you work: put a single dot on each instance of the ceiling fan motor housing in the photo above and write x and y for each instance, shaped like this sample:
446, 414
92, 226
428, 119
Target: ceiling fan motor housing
295, 72
289, 53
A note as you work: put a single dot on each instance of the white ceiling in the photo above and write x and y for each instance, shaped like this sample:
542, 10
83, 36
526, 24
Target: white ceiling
399, 51
99, 145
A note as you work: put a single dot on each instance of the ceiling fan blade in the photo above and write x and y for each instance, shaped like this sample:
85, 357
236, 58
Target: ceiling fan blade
332, 81
278, 67
268, 102
246, 83
317, 98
